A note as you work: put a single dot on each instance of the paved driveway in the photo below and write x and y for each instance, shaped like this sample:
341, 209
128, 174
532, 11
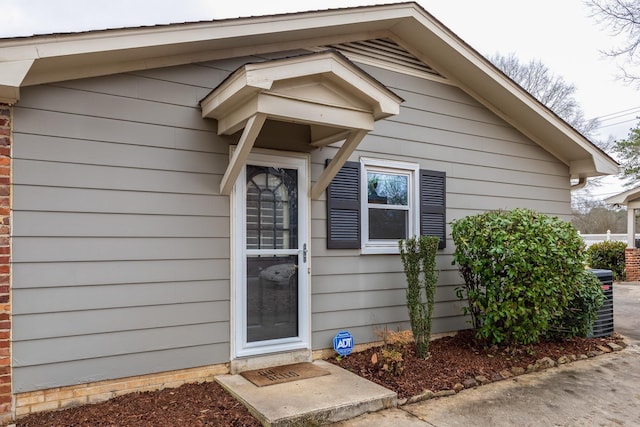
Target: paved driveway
603, 391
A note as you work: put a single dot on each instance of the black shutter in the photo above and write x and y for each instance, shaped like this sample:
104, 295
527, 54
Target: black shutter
433, 205
343, 208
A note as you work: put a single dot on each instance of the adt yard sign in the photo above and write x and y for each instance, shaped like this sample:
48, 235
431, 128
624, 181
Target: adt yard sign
343, 343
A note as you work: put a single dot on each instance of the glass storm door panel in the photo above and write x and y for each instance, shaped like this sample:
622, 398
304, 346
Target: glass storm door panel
272, 309
272, 279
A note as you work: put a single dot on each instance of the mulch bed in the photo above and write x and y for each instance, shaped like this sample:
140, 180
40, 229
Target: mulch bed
453, 360
205, 404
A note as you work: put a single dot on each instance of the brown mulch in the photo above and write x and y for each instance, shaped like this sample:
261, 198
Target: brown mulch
452, 360
205, 404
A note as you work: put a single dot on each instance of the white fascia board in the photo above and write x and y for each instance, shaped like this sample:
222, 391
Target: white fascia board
84, 54
305, 112
11, 76
456, 60
233, 88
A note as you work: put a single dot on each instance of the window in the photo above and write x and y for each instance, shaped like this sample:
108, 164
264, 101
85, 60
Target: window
373, 203
388, 204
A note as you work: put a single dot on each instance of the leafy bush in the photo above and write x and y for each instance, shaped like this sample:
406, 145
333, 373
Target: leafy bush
418, 256
608, 255
582, 310
520, 269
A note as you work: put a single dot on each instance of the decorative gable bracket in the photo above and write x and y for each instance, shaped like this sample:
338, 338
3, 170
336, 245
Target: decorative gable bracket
325, 91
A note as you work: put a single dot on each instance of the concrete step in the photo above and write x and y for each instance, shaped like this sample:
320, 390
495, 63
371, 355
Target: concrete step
327, 399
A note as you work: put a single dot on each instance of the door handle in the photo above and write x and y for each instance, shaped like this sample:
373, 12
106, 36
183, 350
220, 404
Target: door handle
304, 252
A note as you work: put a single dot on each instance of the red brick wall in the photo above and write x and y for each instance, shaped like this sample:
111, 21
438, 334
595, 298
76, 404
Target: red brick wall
632, 264
5, 266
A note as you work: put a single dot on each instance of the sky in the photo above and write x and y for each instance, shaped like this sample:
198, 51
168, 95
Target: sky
562, 34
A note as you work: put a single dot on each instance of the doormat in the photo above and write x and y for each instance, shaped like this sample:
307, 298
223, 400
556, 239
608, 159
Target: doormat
284, 374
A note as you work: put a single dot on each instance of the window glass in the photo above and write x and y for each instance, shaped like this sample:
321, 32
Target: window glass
272, 208
389, 210
387, 189
387, 224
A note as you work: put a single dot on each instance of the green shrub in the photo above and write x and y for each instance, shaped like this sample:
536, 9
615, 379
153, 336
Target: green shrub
419, 261
520, 269
578, 316
608, 255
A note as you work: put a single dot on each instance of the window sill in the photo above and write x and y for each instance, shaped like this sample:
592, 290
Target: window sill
378, 250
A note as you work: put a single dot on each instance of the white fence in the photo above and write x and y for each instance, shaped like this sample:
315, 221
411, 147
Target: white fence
590, 239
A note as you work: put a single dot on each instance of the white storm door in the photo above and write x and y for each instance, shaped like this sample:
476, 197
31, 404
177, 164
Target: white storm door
271, 295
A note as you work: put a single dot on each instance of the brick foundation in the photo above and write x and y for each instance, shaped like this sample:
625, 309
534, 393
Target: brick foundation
632, 264
5, 264
75, 395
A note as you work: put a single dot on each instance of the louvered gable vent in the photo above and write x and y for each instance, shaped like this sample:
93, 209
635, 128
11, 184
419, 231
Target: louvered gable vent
385, 51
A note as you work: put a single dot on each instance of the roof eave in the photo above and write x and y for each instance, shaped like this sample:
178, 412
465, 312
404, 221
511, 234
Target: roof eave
44, 59
452, 57
73, 56
625, 197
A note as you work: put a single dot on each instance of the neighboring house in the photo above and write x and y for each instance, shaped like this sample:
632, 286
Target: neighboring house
164, 191
631, 200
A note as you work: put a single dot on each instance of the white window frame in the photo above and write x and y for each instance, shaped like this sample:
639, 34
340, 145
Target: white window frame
412, 171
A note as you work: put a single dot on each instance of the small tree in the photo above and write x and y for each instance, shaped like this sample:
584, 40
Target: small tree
628, 151
520, 269
419, 260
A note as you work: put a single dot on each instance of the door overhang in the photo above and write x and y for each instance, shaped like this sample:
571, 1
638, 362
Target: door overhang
325, 91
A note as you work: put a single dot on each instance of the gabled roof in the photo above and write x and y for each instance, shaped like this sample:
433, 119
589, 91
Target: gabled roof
43, 59
625, 197
324, 91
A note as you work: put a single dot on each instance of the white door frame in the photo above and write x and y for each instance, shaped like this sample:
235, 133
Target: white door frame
239, 345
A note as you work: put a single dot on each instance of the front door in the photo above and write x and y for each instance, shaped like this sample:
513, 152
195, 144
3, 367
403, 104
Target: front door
270, 266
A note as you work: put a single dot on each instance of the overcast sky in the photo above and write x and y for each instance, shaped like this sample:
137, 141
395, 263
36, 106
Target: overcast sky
560, 33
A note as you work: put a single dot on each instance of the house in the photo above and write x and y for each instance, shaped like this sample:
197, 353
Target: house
191, 199
631, 200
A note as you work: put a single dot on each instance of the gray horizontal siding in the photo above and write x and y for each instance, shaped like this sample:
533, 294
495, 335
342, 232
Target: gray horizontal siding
370, 332
82, 224
71, 175
120, 237
93, 104
121, 240
91, 346
79, 249
119, 366
87, 152
63, 199
85, 273
489, 165
85, 322
77, 298
89, 128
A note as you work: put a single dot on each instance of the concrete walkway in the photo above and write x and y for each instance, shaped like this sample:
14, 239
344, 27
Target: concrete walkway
603, 391
321, 400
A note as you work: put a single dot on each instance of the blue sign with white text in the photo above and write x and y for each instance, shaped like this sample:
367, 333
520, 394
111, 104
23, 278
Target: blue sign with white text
343, 343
